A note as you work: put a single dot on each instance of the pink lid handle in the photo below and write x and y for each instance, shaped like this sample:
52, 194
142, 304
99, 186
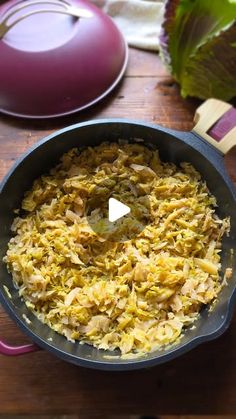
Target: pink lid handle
14, 17
17, 350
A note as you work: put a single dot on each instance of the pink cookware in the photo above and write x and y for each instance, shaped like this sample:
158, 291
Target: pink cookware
57, 57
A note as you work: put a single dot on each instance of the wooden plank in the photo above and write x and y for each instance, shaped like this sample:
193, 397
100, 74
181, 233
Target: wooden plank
143, 63
202, 381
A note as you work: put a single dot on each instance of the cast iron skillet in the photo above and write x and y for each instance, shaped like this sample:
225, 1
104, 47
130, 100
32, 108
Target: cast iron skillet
173, 146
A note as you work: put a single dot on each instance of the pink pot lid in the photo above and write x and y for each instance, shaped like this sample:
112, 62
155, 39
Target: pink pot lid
53, 64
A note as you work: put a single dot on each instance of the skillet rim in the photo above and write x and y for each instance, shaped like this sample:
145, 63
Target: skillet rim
216, 159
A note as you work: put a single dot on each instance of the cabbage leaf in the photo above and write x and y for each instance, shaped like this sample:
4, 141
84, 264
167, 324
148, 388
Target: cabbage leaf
198, 43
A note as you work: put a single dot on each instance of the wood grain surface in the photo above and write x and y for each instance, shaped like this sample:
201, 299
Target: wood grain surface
200, 382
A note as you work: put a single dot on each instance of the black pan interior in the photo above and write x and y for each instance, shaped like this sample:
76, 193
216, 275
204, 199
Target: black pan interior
174, 147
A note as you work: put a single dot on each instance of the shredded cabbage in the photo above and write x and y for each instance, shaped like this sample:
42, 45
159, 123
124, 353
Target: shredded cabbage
137, 295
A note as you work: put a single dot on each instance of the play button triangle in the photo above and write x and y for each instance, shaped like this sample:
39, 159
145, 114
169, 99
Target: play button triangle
116, 210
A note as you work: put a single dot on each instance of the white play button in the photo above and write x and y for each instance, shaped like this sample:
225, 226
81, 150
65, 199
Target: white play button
116, 210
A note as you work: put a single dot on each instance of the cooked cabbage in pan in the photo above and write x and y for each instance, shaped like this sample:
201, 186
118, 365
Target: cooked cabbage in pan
135, 295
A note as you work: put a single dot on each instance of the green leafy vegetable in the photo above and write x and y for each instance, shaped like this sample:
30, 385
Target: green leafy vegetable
199, 45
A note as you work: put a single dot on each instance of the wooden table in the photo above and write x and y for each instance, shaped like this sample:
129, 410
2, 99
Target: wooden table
200, 382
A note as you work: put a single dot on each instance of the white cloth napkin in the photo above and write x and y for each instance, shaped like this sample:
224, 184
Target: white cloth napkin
139, 20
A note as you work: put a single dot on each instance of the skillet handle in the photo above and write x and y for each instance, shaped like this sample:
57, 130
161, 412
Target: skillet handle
17, 350
216, 122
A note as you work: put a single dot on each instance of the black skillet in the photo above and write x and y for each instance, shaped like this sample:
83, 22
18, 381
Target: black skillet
198, 147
